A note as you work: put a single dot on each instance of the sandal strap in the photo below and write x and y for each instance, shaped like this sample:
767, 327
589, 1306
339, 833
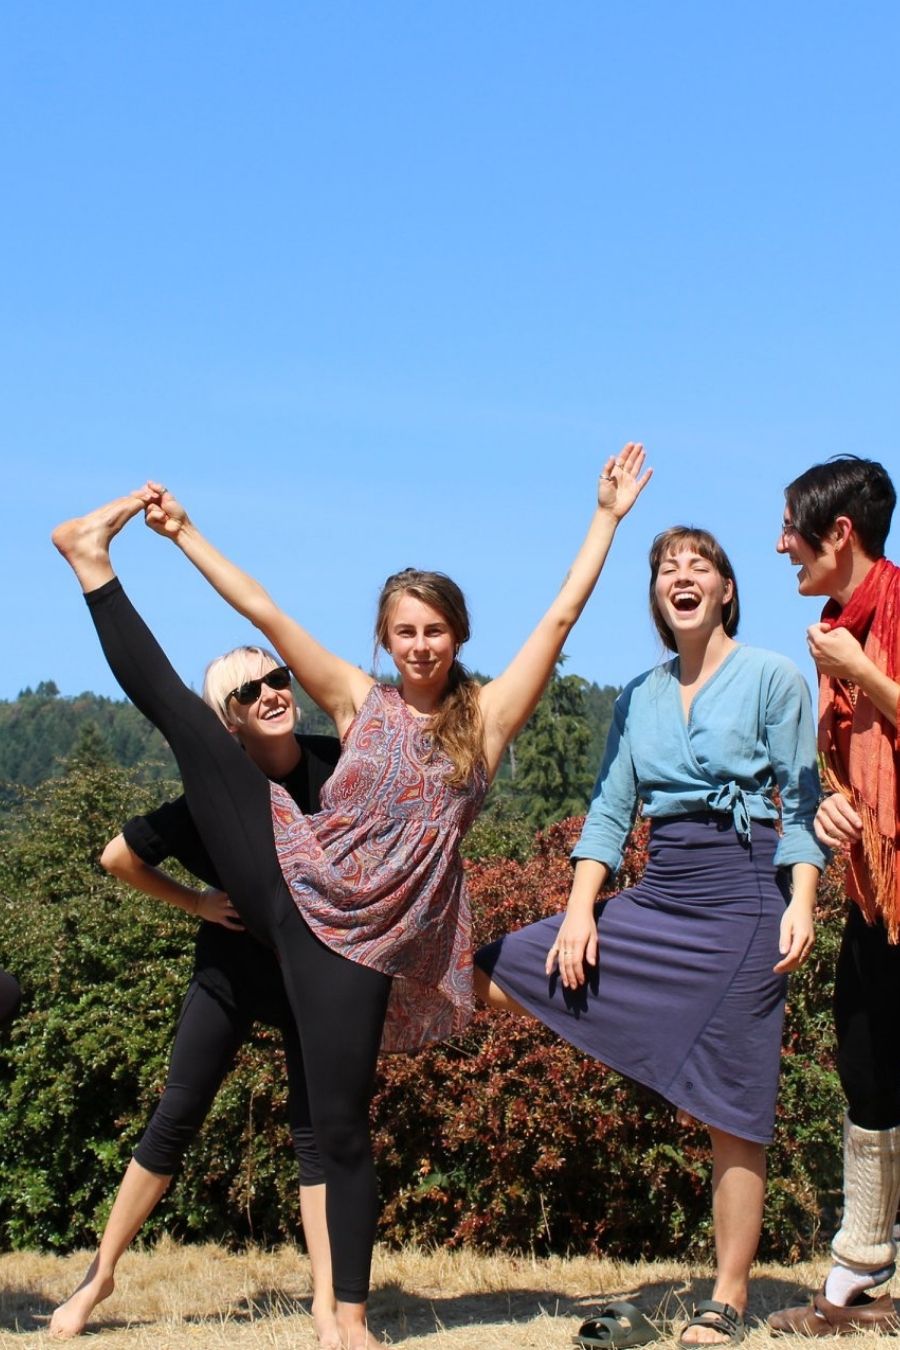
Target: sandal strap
720, 1316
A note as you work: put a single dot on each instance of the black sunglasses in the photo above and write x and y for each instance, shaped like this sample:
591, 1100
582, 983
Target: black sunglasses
250, 690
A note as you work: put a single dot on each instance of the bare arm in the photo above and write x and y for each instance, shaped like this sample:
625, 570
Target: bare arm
797, 932
124, 864
338, 687
576, 944
508, 701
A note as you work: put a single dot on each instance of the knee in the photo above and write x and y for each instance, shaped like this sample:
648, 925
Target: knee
309, 1162
344, 1144
878, 1111
173, 1128
730, 1150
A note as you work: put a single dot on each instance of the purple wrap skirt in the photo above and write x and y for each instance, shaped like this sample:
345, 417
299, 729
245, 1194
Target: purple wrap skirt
683, 999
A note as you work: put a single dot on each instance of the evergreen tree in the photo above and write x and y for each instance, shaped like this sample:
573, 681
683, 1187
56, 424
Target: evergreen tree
553, 772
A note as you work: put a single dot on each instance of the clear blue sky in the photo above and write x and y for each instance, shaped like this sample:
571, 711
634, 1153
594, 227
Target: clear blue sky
380, 284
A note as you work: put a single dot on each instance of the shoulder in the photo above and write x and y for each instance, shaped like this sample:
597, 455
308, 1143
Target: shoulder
773, 664
778, 679
646, 685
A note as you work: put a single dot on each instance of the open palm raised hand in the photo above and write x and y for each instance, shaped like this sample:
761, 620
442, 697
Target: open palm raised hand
622, 480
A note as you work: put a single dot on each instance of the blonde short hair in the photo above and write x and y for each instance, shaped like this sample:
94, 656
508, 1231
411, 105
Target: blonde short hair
226, 673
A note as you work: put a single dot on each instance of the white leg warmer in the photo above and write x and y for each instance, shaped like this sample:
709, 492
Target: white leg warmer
865, 1239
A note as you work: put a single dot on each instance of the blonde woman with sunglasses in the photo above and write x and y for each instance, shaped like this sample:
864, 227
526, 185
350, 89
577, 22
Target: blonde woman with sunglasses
236, 982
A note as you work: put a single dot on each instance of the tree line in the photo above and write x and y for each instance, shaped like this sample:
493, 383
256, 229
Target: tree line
547, 774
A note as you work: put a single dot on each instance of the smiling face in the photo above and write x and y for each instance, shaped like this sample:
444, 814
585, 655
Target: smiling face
818, 572
421, 643
690, 593
269, 717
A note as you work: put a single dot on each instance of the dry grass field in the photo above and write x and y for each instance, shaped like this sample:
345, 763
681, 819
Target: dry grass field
174, 1297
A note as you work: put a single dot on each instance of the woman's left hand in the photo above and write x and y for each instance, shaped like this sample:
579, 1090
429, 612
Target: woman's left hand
796, 937
621, 482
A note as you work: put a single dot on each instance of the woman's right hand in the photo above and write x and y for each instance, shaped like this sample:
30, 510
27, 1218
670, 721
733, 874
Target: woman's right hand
837, 825
574, 948
215, 907
163, 513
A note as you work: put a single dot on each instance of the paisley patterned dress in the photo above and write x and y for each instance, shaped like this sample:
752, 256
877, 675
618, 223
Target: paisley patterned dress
377, 874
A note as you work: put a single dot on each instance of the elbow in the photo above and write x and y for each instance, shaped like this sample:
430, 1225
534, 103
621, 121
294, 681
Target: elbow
114, 857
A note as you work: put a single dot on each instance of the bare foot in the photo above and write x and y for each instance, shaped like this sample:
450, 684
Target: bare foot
325, 1323
703, 1336
712, 1334
84, 541
356, 1335
71, 1317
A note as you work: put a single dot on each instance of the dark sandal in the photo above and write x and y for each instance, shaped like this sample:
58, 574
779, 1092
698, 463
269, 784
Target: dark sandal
719, 1317
617, 1325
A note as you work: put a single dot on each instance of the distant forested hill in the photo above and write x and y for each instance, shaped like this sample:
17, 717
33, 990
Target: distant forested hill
40, 728
43, 728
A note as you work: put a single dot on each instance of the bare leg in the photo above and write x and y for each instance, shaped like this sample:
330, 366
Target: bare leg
84, 541
139, 1194
315, 1231
352, 1329
739, 1183
491, 994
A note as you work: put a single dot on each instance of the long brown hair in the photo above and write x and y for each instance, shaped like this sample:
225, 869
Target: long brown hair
672, 541
456, 726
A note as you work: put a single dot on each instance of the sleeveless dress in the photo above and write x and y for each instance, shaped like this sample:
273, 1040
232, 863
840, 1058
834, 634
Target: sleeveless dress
377, 874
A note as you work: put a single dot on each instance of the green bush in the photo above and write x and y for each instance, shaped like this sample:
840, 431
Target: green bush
510, 1138
103, 972
505, 1137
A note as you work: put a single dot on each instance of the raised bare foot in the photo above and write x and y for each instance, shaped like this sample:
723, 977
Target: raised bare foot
71, 1317
84, 541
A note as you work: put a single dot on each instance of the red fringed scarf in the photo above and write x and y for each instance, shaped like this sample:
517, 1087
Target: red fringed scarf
872, 615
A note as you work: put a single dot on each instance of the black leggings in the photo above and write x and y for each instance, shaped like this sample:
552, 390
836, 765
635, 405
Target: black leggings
338, 1005
10, 997
866, 1003
207, 1038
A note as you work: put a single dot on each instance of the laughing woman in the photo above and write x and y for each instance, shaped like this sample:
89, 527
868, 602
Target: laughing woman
679, 983
363, 902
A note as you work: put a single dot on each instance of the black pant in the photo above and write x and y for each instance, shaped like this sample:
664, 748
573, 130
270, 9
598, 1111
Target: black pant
338, 1005
866, 1007
10, 997
207, 1038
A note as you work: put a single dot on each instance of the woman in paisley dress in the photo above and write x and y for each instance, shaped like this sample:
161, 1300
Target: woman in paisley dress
363, 902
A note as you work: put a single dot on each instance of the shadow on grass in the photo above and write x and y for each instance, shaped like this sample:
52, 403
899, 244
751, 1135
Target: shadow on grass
401, 1313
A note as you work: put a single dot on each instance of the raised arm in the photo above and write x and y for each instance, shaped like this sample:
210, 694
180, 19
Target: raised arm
338, 687
508, 701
